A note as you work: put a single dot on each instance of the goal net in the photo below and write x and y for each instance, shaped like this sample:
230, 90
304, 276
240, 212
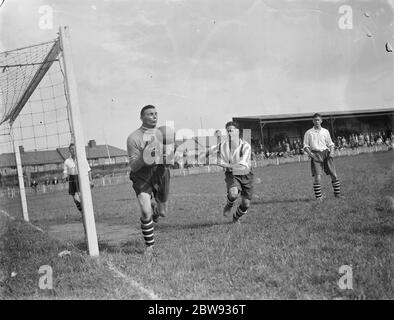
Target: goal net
38, 113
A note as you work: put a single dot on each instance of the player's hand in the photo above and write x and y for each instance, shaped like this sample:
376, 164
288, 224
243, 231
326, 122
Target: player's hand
226, 166
315, 157
91, 185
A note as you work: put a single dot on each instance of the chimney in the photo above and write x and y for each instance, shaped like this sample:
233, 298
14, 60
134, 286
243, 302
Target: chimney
92, 143
21, 149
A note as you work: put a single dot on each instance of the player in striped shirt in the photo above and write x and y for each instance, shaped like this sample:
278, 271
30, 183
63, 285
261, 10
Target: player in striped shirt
234, 154
319, 146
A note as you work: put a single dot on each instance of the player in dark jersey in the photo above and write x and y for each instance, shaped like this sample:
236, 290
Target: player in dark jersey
150, 179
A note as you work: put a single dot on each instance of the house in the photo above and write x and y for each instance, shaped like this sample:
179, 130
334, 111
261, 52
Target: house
98, 155
52, 160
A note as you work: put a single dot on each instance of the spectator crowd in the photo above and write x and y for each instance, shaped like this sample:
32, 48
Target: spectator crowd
287, 147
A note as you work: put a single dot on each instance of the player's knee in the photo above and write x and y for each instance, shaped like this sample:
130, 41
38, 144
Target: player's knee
245, 203
146, 215
77, 197
161, 207
233, 194
317, 178
146, 211
162, 210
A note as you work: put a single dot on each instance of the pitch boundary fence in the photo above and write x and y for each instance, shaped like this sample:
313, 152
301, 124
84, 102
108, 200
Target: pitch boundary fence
11, 192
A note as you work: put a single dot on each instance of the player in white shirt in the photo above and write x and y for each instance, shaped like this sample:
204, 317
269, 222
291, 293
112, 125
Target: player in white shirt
70, 171
234, 154
319, 146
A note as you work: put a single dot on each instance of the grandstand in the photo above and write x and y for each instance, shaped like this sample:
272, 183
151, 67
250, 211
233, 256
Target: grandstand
267, 130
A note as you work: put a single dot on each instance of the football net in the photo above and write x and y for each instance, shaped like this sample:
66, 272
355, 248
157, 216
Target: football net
38, 114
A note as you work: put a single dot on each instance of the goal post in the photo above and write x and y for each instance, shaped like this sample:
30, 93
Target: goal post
39, 118
21, 182
83, 176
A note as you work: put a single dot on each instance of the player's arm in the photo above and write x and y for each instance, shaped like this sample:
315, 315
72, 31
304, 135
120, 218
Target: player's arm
210, 154
307, 147
216, 153
136, 160
89, 174
225, 165
244, 161
330, 144
65, 171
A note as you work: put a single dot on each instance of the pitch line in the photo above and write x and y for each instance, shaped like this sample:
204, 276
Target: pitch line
12, 218
134, 283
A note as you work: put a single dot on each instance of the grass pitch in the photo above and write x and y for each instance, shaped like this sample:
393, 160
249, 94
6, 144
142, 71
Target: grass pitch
287, 246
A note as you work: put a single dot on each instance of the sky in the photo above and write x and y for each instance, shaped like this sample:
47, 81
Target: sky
202, 62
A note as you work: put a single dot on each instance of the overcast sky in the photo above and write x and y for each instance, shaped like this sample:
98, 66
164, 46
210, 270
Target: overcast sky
203, 62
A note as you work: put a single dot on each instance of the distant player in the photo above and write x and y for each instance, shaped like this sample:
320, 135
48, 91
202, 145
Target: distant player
149, 179
70, 171
234, 154
319, 146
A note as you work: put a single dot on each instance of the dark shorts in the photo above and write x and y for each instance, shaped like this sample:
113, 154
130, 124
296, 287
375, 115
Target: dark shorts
242, 182
73, 184
325, 164
155, 179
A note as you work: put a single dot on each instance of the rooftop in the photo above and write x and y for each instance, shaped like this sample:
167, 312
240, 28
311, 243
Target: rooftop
307, 116
57, 156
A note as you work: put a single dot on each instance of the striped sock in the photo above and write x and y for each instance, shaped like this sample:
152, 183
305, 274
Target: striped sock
239, 213
147, 232
230, 203
317, 189
337, 187
78, 204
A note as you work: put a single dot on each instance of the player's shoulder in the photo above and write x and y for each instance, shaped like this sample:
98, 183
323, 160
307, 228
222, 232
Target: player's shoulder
324, 130
309, 130
135, 135
69, 162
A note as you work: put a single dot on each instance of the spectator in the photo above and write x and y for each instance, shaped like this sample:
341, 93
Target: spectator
34, 185
361, 140
344, 143
367, 141
287, 147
